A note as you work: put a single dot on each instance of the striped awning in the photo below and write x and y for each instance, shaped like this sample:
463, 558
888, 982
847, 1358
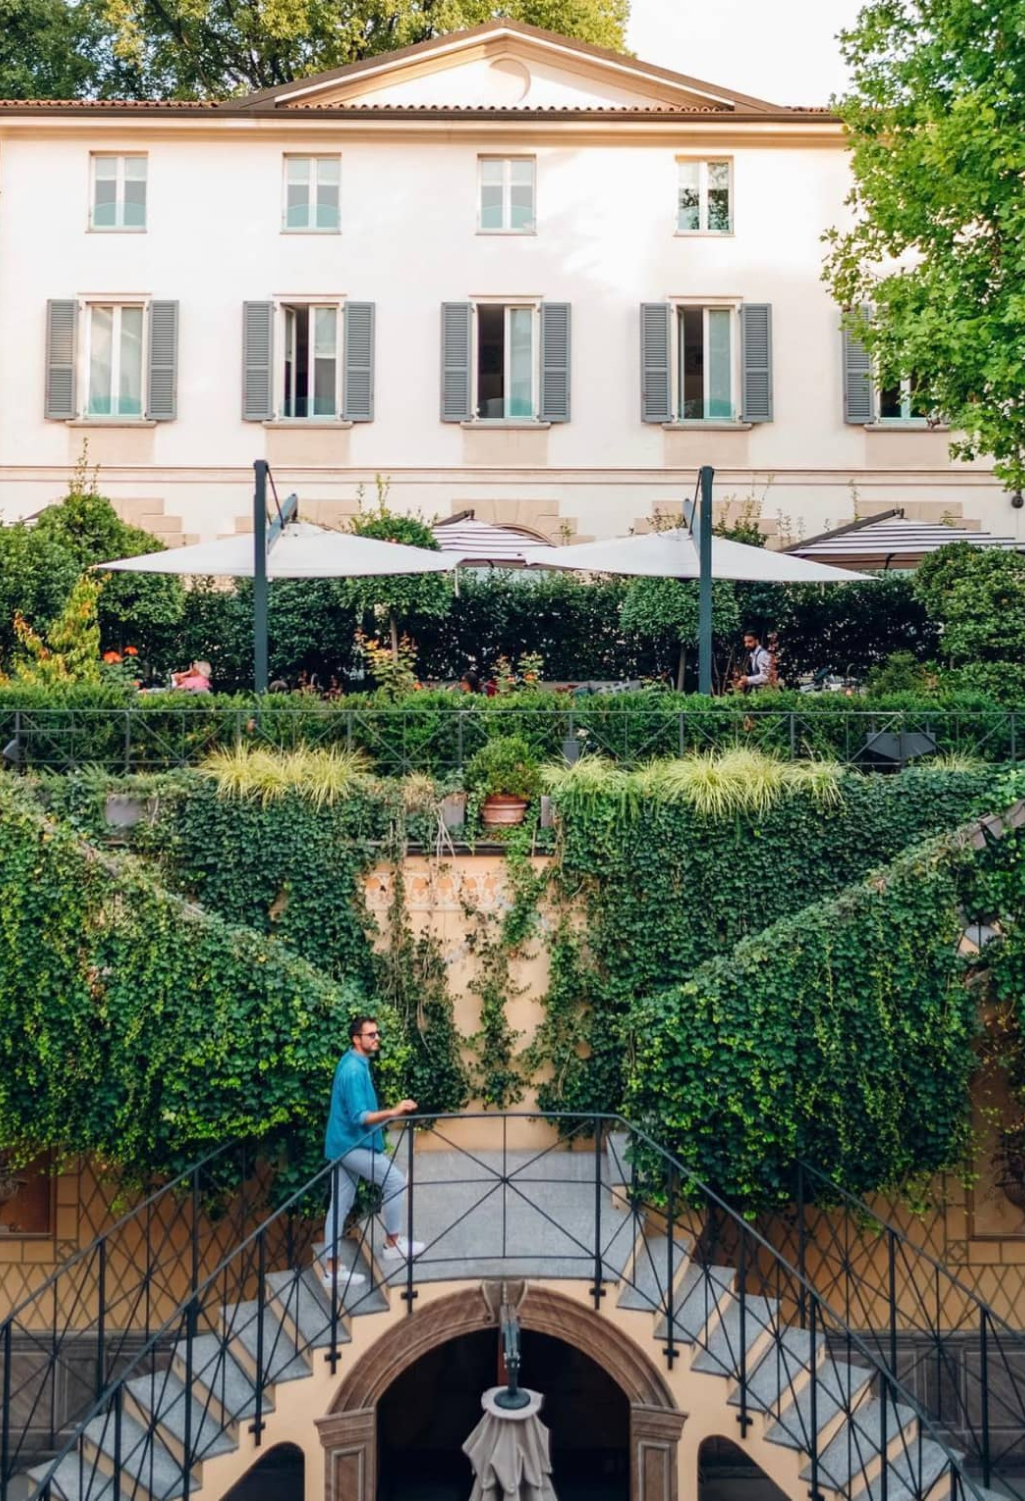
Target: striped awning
483, 543
890, 540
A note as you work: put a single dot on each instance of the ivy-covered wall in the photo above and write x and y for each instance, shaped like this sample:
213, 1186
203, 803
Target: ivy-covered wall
138, 1029
662, 889
644, 900
842, 1035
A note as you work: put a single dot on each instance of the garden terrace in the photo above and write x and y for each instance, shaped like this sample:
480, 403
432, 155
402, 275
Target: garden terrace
437, 732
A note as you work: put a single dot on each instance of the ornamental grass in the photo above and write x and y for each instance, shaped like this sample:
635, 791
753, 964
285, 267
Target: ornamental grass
322, 776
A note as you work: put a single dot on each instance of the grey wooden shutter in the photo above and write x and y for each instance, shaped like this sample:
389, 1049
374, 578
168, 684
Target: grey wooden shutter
656, 376
456, 332
257, 361
358, 379
61, 328
555, 357
162, 386
756, 359
859, 397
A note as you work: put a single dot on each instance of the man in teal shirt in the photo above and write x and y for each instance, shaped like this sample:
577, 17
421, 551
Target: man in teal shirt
355, 1141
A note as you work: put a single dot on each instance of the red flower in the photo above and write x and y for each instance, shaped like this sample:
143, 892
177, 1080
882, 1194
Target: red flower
112, 656
131, 651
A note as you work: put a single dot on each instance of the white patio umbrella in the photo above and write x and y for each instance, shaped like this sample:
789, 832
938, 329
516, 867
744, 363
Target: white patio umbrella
285, 548
693, 552
302, 551
674, 555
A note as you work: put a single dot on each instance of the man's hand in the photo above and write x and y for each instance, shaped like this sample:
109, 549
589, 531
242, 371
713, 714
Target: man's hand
405, 1107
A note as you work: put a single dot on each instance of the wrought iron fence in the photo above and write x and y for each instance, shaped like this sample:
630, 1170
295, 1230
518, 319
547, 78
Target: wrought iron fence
603, 1203
62, 1344
409, 738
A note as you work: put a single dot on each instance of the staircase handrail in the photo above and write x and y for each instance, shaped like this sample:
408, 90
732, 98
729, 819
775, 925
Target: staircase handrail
894, 1392
865, 1211
106, 1235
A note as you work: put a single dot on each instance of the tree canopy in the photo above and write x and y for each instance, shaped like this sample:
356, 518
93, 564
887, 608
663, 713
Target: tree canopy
212, 48
936, 123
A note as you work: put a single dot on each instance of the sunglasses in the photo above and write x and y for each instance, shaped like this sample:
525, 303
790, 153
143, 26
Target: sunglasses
369, 1036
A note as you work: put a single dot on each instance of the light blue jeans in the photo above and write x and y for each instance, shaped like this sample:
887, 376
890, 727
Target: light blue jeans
376, 1167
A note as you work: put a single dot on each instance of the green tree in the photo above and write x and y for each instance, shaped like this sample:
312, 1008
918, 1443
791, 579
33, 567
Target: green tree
36, 576
936, 124
212, 47
50, 49
977, 597
136, 609
668, 609
71, 651
399, 600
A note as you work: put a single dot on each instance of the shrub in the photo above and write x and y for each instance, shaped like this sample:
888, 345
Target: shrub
504, 767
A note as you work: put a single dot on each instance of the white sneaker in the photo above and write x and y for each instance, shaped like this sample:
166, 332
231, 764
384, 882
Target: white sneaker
403, 1249
346, 1279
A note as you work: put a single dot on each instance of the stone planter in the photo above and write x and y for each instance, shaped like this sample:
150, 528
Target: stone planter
453, 810
123, 810
502, 812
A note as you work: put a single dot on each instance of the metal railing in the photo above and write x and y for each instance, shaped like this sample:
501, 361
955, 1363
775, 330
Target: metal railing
61, 1346
407, 738
964, 1362
603, 1203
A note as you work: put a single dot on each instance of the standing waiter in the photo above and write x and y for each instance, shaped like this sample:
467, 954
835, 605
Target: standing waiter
761, 669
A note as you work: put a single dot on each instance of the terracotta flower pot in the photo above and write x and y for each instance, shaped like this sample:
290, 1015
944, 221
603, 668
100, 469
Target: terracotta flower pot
499, 811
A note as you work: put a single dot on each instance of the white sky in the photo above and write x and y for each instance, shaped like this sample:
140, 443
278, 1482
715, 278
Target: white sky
781, 50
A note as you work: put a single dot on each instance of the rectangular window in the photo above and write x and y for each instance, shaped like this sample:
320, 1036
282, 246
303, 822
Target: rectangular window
706, 364
312, 193
704, 200
507, 194
119, 192
506, 365
902, 403
115, 336
311, 361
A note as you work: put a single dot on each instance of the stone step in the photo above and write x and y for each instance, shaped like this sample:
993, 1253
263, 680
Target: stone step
161, 1398
646, 1274
851, 1459
701, 1294
151, 1467
780, 1371
304, 1302
839, 1388
722, 1341
282, 1359
218, 1373
910, 1476
75, 1479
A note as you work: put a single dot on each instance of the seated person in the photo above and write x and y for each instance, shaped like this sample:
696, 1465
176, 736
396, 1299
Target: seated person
196, 679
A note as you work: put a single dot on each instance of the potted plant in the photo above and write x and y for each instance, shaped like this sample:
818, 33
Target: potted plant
504, 774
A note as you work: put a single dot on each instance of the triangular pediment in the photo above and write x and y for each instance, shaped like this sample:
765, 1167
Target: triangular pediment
504, 65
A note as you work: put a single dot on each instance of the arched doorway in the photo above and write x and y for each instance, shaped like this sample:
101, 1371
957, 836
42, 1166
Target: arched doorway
427, 1413
726, 1473
349, 1432
279, 1475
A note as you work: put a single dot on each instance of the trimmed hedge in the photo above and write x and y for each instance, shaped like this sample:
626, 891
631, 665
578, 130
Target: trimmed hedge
438, 731
664, 890
842, 1035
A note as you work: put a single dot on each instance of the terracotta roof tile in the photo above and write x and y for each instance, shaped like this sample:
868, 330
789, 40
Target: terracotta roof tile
517, 109
113, 105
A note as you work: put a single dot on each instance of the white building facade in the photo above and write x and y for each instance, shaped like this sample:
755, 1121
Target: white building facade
505, 272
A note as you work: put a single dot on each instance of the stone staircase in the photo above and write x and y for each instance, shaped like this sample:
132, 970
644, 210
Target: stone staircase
512, 1215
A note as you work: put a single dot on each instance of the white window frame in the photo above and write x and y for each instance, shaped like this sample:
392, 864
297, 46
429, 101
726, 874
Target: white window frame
534, 306
119, 227
703, 163
85, 362
907, 418
506, 161
707, 305
312, 157
282, 306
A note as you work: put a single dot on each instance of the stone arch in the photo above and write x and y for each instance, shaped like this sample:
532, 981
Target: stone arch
348, 1431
